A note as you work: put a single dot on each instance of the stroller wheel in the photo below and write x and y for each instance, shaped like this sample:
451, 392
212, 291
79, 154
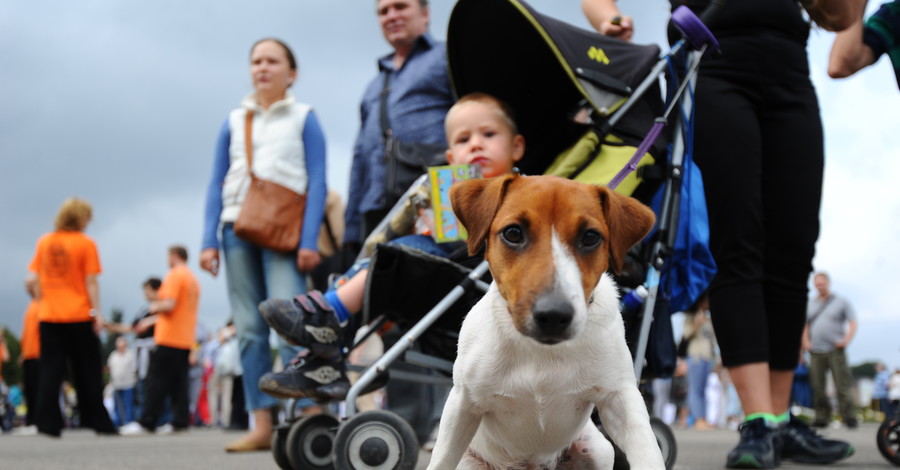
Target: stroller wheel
696, 33
310, 442
376, 439
279, 451
666, 440
888, 439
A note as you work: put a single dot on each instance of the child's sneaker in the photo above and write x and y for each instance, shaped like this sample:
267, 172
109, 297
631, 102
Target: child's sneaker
760, 446
308, 377
307, 321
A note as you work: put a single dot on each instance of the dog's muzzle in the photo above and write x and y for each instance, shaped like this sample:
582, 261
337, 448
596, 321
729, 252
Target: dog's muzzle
552, 315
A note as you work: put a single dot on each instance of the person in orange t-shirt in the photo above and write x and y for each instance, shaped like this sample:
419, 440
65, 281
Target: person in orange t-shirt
4, 352
31, 353
175, 319
65, 268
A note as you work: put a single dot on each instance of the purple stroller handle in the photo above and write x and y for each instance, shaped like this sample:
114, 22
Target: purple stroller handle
638, 154
694, 31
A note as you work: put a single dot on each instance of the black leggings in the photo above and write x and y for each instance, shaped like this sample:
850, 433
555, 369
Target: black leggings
77, 343
31, 378
758, 142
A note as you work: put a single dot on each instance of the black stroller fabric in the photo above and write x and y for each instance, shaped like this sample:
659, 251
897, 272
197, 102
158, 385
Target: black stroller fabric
546, 70
405, 284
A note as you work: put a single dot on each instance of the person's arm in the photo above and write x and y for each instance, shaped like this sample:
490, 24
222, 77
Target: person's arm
162, 306
93, 291
605, 17
805, 341
834, 15
850, 53
209, 254
352, 216
848, 336
316, 192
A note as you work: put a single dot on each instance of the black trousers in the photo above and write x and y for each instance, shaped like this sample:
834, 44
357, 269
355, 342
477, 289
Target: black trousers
758, 141
31, 379
167, 376
78, 344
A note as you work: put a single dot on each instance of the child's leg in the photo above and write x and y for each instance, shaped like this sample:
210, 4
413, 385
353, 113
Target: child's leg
351, 294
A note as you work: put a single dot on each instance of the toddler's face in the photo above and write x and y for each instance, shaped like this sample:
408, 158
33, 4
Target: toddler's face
477, 134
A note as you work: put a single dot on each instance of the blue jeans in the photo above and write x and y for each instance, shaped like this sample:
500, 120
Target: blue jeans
254, 274
424, 243
124, 406
697, 374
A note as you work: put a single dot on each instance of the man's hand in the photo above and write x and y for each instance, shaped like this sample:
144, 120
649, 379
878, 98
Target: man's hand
605, 17
621, 27
209, 261
307, 259
99, 323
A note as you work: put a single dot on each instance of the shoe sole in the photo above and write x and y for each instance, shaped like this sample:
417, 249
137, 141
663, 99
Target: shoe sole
820, 461
748, 461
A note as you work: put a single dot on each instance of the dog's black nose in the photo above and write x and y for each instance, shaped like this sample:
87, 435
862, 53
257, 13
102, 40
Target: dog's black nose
552, 315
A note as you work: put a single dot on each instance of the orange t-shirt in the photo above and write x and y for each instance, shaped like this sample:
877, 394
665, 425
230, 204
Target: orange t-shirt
31, 336
62, 261
175, 328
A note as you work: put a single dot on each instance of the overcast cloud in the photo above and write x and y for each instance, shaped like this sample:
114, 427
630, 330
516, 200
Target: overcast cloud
120, 103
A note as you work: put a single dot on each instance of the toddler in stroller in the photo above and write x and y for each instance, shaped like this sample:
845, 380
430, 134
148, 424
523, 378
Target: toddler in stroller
480, 131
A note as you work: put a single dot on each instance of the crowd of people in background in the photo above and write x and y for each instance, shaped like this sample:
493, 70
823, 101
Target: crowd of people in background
740, 341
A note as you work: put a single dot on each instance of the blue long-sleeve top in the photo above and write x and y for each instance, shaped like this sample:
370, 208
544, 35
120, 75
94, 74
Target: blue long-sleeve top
418, 99
314, 149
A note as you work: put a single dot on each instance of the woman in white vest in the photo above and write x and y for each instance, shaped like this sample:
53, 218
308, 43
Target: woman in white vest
288, 148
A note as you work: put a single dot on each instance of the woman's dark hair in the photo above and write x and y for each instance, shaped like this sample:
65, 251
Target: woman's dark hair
287, 50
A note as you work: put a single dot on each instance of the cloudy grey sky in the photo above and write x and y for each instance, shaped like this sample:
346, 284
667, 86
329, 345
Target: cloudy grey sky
120, 103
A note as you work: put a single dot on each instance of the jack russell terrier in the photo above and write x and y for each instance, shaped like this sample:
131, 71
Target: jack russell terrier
546, 344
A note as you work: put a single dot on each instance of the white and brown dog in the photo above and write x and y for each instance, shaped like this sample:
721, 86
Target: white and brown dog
546, 344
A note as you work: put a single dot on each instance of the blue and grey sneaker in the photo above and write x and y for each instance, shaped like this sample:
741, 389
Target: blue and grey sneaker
307, 321
308, 377
760, 446
802, 444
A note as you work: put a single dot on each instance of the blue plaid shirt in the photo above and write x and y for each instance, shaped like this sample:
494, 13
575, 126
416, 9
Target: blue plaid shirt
419, 98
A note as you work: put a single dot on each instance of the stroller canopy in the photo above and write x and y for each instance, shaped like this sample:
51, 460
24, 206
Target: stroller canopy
546, 70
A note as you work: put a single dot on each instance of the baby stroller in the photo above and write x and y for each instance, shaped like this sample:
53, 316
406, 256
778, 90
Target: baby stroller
575, 94
888, 436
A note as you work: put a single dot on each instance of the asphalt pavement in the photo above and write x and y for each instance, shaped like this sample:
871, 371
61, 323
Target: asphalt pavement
202, 449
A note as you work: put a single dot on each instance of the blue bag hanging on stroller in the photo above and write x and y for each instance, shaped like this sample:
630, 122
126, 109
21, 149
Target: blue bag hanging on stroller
691, 265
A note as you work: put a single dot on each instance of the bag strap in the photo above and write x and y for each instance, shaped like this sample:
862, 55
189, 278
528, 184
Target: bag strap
385, 120
248, 141
822, 309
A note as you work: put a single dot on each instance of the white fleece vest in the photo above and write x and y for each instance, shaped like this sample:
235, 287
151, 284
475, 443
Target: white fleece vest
278, 153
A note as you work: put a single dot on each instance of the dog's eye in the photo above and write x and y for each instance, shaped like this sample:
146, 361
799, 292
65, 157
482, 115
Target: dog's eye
590, 239
513, 235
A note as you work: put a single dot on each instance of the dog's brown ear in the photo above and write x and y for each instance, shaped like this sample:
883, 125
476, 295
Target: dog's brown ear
629, 221
475, 203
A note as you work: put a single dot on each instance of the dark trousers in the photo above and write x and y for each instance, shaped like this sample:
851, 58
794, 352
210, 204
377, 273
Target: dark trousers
758, 142
836, 362
77, 343
31, 378
167, 377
